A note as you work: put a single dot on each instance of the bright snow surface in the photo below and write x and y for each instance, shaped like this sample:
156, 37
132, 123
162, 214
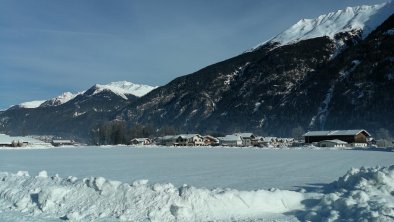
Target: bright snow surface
31, 104
63, 98
365, 18
122, 88
244, 175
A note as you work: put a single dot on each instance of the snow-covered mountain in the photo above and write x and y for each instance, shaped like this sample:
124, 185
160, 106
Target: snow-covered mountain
73, 114
31, 104
120, 88
332, 72
292, 82
123, 88
360, 20
61, 99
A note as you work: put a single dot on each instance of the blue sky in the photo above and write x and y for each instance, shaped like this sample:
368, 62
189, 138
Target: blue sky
51, 46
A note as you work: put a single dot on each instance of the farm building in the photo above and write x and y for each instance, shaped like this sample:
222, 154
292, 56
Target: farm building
349, 136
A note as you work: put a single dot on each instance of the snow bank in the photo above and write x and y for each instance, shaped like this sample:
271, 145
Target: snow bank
93, 198
362, 194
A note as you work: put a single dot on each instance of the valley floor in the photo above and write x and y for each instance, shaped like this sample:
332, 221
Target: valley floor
224, 185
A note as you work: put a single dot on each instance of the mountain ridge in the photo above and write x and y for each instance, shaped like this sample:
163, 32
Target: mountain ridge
310, 84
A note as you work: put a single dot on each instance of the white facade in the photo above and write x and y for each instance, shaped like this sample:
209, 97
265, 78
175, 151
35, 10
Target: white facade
332, 143
231, 140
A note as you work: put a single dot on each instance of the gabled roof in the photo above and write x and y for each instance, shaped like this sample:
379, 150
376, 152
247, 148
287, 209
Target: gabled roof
140, 139
188, 136
337, 133
230, 138
244, 135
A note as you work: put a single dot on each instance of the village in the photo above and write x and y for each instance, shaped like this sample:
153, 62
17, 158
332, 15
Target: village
335, 138
345, 139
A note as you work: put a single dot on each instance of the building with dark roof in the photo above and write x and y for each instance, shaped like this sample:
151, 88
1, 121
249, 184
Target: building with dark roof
349, 136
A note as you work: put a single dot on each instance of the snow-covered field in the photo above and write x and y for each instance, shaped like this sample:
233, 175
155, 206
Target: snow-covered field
110, 184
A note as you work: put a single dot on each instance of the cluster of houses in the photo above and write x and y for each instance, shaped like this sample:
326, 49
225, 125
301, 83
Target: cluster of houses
20, 141
335, 138
234, 140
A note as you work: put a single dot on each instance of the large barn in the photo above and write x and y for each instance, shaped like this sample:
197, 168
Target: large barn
349, 136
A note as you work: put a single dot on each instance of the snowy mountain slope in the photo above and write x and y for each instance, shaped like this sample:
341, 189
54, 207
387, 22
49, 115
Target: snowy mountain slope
73, 115
61, 99
291, 86
268, 91
122, 88
360, 20
31, 104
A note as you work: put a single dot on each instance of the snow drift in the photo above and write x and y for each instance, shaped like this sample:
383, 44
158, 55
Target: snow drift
362, 194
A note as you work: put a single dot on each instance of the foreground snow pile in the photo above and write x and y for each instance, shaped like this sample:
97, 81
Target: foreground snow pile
93, 198
362, 194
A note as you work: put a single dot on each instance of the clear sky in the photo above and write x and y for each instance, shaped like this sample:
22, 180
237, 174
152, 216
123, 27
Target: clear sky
51, 46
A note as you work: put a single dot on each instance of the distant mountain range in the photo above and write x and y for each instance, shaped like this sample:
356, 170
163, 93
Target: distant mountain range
121, 88
332, 72
72, 115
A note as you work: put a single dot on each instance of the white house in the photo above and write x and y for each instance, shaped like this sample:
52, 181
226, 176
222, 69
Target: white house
189, 140
231, 140
211, 141
247, 138
141, 141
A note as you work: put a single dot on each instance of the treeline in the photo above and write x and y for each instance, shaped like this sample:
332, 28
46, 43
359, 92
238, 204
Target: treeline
119, 132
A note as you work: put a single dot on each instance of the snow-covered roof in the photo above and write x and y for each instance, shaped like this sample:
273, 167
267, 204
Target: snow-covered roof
62, 141
140, 139
230, 138
337, 133
6, 139
188, 136
244, 135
